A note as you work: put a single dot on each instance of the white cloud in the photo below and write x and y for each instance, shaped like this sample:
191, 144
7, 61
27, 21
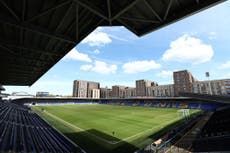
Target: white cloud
187, 49
112, 29
140, 66
165, 73
226, 65
104, 68
86, 67
96, 51
100, 67
97, 38
75, 55
117, 38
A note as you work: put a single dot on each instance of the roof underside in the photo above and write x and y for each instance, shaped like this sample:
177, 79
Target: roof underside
36, 34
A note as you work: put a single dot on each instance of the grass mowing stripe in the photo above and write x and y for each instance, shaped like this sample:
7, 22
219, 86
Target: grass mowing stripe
75, 127
92, 126
107, 141
143, 132
152, 128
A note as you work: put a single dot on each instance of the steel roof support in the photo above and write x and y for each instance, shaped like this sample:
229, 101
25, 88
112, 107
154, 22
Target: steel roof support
22, 20
23, 10
70, 26
43, 62
152, 10
30, 49
9, 50
27, 30
48, 10
140, 20
125, 9
10, 10
22, 72
15, 76
60, 23
187, 11
178, 3
37, 30
62, 20
92, 9
168, 8
12, 63
109, 11
77, 22
19, 56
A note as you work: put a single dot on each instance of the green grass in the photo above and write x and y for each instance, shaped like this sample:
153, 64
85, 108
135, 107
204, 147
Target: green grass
92, 126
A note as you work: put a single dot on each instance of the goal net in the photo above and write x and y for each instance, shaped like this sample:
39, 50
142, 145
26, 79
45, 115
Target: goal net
183, 113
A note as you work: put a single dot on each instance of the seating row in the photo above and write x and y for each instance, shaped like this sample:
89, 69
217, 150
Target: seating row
21, 130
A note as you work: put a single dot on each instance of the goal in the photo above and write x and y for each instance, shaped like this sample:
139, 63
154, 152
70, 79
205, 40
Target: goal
183, 113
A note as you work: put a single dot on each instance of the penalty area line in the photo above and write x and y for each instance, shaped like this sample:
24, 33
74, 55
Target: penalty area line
100, 138
140, 133
75, 127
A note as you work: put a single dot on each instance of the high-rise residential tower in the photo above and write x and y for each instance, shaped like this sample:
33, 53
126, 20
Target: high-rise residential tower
118, 91
105, 93
141, 87
91, 86
183, 81
84, 89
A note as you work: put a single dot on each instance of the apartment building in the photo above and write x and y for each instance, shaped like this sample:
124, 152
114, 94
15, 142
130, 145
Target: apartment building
80, 88
95, 93
118, 91
153, 84
183, 81
105, 93
161, 91
91, 86
130, 92
84, 89
212, 87
141, 87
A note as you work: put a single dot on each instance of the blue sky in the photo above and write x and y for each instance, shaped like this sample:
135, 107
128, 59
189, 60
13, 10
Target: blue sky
115, 56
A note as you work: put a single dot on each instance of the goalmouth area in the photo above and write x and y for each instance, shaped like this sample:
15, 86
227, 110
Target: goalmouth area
108, 128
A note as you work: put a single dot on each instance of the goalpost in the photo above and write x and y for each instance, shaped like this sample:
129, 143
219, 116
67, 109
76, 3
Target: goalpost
183, 113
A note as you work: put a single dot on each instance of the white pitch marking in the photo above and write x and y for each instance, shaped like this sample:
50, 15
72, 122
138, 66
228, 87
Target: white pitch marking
75, 127
107, 141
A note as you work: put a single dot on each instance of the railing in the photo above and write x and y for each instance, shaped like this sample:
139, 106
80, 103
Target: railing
165, 145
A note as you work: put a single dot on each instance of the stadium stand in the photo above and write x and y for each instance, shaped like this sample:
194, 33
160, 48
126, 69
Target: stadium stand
18, 121
215, 136
21, 130
209, 132
171, 137
162, 104
183, 105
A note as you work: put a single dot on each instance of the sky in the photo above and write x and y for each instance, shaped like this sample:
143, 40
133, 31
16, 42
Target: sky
116, 56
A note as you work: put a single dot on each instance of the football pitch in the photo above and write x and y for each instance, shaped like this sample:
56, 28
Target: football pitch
101, 128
